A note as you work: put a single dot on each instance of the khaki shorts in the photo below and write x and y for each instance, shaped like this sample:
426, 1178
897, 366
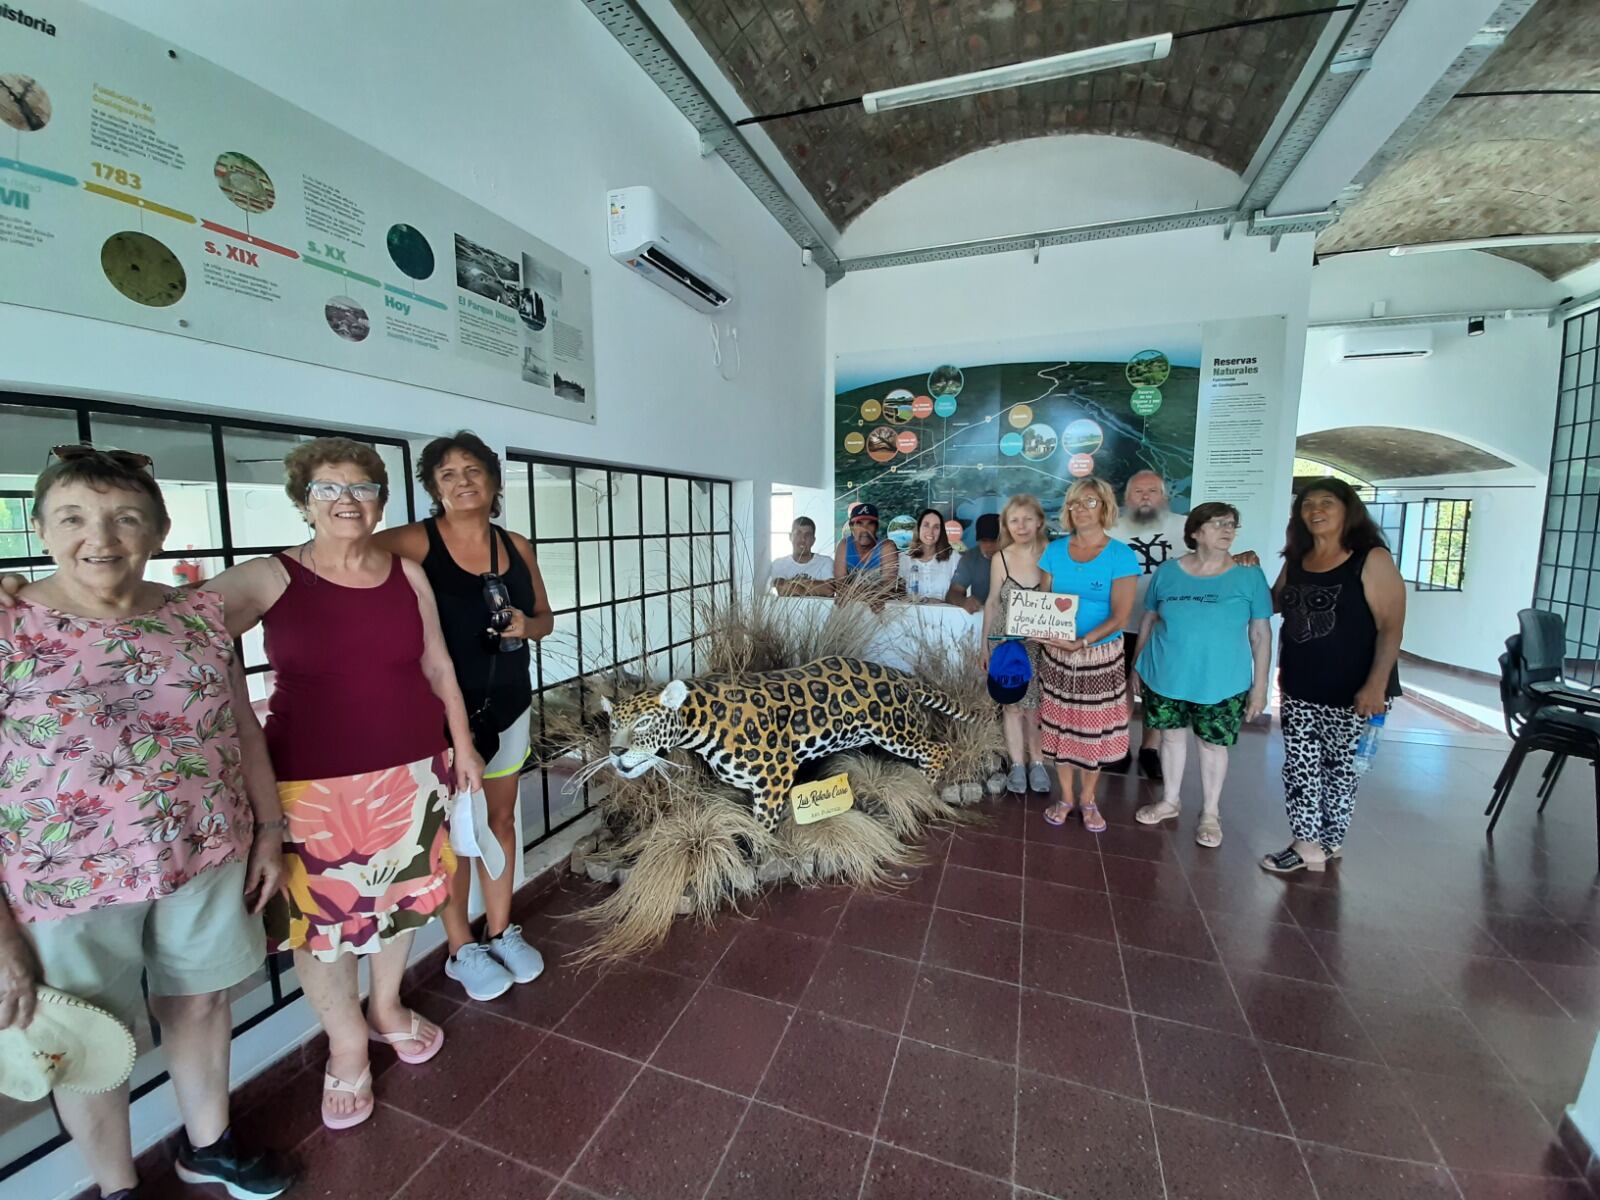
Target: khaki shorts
199, 939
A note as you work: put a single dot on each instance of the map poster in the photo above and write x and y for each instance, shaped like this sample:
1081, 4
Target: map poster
145, 186
962, 429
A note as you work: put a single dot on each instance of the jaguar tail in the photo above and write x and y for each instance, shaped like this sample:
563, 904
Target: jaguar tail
940, 703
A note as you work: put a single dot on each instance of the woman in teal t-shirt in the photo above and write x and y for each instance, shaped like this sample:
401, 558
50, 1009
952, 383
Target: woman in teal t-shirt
1083, 716
1204, 652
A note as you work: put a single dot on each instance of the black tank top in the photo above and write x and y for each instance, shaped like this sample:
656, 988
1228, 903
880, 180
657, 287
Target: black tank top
464, 616
1329, 635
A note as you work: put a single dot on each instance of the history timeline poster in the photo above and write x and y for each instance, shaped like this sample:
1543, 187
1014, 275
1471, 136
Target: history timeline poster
963, 429
142, 185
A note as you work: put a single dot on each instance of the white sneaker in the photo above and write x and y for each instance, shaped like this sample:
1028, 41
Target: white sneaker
479, 972
523, 962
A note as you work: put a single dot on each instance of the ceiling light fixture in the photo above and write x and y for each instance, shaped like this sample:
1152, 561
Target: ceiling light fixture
1040, 70
1500, 243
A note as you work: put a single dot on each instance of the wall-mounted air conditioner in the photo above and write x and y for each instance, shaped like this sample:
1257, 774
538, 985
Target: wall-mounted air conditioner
655, 240
1385, 343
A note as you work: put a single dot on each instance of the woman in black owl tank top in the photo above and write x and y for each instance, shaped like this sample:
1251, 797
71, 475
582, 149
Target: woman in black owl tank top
1344, 607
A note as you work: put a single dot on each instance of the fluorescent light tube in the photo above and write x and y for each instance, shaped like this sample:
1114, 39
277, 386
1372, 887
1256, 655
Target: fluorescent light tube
1040, 70
1498, 243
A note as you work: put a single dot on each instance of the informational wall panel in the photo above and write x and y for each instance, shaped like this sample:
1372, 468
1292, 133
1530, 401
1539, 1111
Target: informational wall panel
142, 185
961, 429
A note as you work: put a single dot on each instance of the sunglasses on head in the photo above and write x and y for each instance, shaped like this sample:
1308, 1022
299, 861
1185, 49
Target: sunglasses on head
78, 451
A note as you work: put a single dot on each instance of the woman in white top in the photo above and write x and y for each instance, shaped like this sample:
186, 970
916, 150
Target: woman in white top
927, 568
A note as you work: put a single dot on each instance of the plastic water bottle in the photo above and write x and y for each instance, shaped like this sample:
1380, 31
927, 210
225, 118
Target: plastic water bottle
1367, 746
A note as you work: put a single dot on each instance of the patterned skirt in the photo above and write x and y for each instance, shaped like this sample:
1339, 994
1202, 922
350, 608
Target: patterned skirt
366, 857
1083, 720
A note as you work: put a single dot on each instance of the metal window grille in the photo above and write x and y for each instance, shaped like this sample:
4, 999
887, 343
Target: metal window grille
630, 559
221, 468
1442, 550
1568, 581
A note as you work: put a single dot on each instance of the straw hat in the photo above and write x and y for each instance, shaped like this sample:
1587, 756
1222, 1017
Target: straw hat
69, 1044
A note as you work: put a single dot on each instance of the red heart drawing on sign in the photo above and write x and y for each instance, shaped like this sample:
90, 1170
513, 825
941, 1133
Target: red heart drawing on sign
1062, 604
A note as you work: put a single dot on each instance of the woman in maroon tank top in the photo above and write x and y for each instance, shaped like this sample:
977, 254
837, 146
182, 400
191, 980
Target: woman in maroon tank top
362, 693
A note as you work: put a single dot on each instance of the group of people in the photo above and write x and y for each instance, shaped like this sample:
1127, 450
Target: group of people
151, 829
929, 571
1171, 616
151, 826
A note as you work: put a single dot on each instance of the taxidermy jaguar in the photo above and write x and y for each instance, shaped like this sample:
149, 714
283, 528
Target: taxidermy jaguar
754, 731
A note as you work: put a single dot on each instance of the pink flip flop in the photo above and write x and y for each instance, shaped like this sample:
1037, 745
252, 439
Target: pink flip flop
395, 1039
331, 1083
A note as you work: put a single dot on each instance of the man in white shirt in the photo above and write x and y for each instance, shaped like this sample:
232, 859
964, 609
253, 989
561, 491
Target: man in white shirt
803, 573
1155, 533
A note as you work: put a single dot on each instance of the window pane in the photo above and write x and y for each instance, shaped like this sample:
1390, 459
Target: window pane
626, 566
722, 566
657, 633
558, 563
630, 630
258, 510
594, 573
653, 488
721, 513
516, 512
594, 502
700, 503
552, 501
677, 505
624, 503
599, 647
558, 653
656, 567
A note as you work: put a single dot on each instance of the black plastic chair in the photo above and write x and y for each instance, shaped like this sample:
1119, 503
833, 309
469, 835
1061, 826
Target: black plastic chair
1542, 712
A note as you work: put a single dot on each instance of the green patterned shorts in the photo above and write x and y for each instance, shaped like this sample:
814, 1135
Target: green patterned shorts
1216, 723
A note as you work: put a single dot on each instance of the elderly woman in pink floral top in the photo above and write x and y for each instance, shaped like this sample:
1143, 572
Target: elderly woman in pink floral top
140, 829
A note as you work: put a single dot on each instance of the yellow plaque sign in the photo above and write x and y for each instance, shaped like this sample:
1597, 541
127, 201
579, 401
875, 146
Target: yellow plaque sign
825, 798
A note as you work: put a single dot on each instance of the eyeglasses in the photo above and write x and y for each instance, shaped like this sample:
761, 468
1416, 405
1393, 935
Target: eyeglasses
127, 459
327, 491
1223, 524
1084, 502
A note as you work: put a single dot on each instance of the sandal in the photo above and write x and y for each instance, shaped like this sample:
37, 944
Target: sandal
332, 1083
1092, 820
395, 1039
1208, 832
1154, 814
1058, 813
1288, 861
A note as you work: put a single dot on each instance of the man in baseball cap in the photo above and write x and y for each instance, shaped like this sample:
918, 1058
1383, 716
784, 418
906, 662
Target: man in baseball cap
969, 586
862, 553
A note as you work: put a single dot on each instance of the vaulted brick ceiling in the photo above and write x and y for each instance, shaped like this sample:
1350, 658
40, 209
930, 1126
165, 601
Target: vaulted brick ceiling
1215, 96
1502, 164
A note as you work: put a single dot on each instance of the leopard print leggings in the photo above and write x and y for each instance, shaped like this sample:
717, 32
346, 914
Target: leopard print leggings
1319, 775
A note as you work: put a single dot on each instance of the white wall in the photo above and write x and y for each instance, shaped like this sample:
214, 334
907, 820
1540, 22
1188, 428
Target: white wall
1187, 276
572, 117
1497, 392
1027, 186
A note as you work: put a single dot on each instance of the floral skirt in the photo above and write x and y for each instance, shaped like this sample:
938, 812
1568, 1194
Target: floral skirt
366, 857
1084, 717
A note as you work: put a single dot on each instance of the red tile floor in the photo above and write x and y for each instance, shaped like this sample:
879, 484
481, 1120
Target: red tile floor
1042, 1013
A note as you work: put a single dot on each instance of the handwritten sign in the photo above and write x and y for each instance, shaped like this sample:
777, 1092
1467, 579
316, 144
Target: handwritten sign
1042, 615
825, 798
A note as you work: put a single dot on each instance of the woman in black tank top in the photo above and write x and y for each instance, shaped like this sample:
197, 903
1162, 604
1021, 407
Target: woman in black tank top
457, 546
1344, 609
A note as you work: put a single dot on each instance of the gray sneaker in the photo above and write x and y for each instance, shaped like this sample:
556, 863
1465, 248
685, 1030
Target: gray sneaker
1038, 778
523, 962
479, 972
1017, 780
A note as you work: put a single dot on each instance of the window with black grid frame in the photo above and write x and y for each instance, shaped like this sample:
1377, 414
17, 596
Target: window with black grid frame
1568, 580
222, 480
630, 560
1441, 560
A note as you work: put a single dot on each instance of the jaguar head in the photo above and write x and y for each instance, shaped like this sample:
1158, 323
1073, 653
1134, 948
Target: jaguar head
646, 727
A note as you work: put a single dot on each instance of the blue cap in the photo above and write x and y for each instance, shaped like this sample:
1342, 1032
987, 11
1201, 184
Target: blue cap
1010, 672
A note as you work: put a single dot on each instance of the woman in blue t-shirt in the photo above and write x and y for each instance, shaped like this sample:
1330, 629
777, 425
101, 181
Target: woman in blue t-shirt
1083, 718
1205, 649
